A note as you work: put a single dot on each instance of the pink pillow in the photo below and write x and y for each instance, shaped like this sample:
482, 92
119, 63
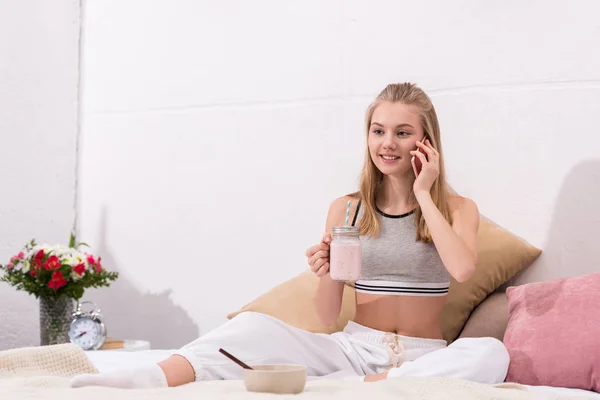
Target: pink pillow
553, 333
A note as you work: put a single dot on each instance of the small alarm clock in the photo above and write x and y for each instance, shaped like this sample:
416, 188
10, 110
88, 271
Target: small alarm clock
87, 329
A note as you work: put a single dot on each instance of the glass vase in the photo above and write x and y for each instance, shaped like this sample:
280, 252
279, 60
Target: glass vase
56, 315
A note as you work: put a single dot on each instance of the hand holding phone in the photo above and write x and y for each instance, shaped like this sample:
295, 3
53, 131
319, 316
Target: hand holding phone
416, 162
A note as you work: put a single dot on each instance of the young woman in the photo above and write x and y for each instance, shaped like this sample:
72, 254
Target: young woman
415, 236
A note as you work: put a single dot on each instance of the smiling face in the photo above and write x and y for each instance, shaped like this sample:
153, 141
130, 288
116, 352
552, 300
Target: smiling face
393, 132
399, 116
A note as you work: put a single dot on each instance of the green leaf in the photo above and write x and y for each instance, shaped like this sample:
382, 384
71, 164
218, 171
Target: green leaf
78, 292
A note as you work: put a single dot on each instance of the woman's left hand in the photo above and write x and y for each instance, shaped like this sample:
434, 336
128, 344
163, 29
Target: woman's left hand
430, 167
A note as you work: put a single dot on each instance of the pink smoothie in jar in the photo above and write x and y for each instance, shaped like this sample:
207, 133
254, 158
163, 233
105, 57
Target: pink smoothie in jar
345, 254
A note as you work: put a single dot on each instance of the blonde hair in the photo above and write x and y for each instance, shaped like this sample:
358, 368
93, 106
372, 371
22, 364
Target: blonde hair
371, 177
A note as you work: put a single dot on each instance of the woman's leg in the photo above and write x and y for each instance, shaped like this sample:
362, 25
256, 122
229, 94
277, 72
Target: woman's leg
252, 337
483, 360
261, 339
177, 370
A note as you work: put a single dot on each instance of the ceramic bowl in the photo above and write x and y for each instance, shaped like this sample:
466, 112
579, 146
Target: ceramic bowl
275, 378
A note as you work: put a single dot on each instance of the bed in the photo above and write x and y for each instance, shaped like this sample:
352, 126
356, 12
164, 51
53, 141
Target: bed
548, 326
43, 372
111, 360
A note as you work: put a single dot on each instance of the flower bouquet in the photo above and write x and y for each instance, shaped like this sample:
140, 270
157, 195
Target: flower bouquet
58, 276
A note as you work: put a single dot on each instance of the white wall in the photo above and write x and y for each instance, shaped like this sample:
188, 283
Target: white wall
38, 132
216, 134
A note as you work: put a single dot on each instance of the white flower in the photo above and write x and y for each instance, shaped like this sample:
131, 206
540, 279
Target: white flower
46, 248
80, 259
75, 276
69, 260
25, 266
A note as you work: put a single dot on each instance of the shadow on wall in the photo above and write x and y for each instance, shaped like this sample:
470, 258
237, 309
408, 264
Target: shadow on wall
572, 246
130, 314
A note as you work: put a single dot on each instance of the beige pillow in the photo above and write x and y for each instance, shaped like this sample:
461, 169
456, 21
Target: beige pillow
501, 256
292, 302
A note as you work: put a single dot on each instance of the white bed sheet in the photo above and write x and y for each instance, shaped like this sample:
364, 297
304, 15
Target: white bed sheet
110, 360
560, 391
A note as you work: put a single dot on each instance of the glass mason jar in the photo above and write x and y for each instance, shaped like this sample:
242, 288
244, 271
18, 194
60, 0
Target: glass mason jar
345, 253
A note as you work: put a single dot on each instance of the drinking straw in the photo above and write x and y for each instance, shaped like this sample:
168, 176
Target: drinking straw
347, 212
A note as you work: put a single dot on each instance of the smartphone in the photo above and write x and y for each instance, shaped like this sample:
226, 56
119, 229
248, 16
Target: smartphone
416, 161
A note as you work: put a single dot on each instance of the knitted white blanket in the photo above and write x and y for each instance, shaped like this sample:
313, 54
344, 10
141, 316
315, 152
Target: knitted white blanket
42, 372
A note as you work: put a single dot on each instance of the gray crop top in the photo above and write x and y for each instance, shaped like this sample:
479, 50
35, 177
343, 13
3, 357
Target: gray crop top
396, 264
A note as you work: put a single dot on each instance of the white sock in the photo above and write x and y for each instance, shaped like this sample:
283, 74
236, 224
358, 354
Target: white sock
139, 378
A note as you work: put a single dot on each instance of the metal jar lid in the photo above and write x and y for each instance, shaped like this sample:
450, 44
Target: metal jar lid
345, 230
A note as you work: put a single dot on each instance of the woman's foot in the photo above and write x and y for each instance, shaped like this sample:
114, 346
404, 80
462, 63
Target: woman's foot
174, 371
139, 378
376, 377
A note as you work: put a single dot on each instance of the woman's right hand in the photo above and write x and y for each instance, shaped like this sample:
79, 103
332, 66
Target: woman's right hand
318, 256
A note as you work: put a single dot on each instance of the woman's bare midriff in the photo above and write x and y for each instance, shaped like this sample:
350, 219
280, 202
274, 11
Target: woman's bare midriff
416, 316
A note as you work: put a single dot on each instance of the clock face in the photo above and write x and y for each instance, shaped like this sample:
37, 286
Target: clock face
84, 332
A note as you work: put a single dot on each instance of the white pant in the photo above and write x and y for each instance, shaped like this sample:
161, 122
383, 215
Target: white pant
357, 351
